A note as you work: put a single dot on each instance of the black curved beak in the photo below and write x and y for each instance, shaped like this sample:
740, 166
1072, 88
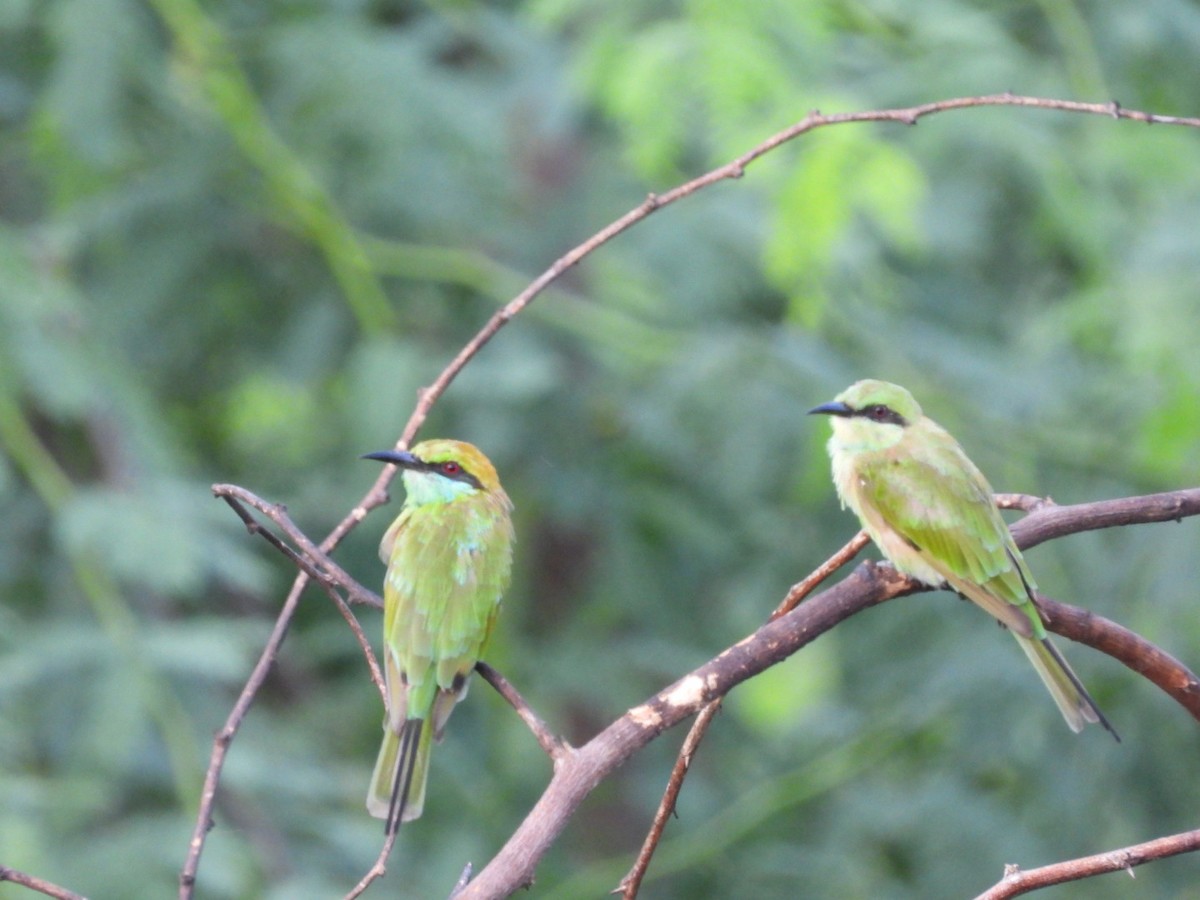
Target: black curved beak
401, 458
833, 408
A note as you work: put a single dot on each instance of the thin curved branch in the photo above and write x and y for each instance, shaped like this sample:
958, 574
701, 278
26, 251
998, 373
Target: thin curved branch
258, 675
632, 882
736, 169
378, 869
811, 582
867, 586
224, 737
1016, 882
312, 560
41, 885
1153, 663
556, 748
377, 494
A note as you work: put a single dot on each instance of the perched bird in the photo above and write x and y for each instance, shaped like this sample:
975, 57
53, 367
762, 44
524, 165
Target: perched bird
449, 558
932, 514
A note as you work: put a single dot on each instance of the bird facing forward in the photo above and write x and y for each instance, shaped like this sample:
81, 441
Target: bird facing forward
449, 559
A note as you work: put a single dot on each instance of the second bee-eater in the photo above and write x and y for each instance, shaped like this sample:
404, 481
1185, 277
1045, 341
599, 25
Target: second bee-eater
932, 514
449, 558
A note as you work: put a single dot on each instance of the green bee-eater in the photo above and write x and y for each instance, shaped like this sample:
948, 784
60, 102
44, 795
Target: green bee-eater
449, 557
932, 514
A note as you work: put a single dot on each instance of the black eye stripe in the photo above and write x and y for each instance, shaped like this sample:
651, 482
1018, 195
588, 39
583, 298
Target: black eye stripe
877, 412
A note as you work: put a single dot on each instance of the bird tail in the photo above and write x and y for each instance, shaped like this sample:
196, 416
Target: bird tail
398, 785
1075, 703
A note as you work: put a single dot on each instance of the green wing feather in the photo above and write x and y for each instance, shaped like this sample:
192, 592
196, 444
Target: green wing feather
448, 566
942, 506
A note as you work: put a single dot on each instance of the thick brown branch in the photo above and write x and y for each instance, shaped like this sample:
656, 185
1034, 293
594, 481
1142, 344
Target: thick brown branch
866, 586
513, 867
1017, 882
1151, 662
632, 882
1054, 521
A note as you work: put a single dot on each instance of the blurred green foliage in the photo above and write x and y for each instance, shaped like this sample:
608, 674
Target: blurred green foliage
237, 237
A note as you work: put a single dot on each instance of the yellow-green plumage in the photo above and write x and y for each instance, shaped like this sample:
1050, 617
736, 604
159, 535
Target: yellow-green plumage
932, 513
449, 558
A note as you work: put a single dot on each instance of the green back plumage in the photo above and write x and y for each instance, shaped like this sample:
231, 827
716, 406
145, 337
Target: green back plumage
933, 496
932, 513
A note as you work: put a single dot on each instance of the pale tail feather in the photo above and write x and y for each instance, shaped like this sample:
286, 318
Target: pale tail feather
398, 784
1076, 705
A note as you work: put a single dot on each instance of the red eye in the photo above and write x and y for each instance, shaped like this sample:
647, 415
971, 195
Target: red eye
451, 468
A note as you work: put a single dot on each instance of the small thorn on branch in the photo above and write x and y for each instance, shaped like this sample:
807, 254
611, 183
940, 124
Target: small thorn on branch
463, 880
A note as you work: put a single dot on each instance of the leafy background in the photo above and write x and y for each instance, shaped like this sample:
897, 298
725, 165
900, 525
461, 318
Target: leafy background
237, 237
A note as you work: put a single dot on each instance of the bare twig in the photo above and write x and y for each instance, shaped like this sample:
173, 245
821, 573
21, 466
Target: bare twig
313, 561
364, 643
556, 748
379, 869
224, 737
803, 588
38, 884
631, 883
1016, 882
258, 675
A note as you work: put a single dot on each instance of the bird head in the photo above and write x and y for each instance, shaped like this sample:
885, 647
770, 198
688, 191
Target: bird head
439, 471
871, 414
